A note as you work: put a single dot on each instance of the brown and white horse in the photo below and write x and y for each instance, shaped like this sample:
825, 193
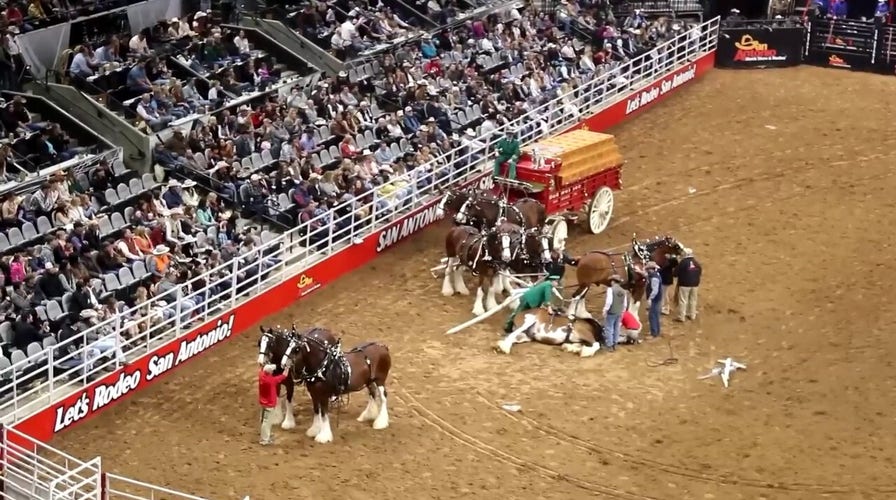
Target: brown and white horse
484, 210
484, 254
580, 335
317, 358
596, 268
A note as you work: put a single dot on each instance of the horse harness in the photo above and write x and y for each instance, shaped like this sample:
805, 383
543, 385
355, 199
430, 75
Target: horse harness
333, 370
628, 265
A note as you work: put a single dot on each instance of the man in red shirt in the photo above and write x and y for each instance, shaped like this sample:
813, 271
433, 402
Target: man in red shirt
268, 382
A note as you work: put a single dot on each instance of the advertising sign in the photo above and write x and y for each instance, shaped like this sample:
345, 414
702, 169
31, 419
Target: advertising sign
647, 97
842, 43
760, 47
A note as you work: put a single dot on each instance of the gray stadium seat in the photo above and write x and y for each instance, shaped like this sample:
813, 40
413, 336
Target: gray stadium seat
139, 268
18, 357
15, 237
125, 276
4, 366
28, 231
136, 186
111, 196
4, 242
66, 301
267, 236
41, 312
118, 221
105, 226
54, 310
123, 191
334, 153
44, 225
129, 214
34, 351
246, 162
200, 160
96, 285
266, 157
111, 282
118, 167
6, 332
148, 182
325, 157
256, 160
49, 341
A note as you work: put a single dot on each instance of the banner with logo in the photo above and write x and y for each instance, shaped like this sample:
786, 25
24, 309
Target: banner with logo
842, 43
760, 47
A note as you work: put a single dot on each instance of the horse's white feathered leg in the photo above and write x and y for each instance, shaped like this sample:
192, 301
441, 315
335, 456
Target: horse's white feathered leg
493, 289
587, 352
314, 430
478, 308
326, 434
447, 288
289, 420
459, 285
507, 284
517, 336
371, 411
382, 420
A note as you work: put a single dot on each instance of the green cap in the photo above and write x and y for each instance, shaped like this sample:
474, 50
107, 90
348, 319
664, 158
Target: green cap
553, 277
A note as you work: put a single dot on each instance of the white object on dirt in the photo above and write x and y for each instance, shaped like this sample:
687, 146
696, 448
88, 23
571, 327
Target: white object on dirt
512, 407
771, 127
729, 366
692, 190
514, 296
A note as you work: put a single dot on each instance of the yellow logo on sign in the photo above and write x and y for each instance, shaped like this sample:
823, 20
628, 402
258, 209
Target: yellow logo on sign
585, 127
747, 42
304, 281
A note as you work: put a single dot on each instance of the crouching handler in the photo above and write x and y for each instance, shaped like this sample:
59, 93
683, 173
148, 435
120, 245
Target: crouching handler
269, 379
539, 295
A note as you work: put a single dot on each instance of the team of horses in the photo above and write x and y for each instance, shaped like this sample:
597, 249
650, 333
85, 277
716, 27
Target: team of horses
492, 238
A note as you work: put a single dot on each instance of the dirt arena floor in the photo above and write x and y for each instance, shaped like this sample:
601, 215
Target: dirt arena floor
793, 177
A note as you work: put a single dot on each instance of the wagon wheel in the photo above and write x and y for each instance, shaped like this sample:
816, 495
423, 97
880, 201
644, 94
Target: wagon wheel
600, 210
559, 231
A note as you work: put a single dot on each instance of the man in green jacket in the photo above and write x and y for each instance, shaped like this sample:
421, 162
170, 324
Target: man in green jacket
509, 151
539, 295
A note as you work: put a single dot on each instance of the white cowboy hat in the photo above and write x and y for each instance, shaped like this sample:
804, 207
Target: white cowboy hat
343, 74
88, 313
176, 211
173, 183
254, 177
470, 132
160, 250
189, 184
174, 20
199, 14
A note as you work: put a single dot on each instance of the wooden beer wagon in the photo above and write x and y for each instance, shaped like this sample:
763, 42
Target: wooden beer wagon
573, 175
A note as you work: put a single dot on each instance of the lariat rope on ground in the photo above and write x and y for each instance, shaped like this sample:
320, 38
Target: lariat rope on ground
671, 360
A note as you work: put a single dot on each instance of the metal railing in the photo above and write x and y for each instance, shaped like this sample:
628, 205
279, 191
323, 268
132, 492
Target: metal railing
73, 364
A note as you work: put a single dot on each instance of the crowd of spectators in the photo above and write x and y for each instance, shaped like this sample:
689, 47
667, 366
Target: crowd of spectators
153, 73
334, 155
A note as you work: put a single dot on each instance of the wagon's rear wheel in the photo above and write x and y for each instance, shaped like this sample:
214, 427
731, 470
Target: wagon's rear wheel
600, 210
559, 232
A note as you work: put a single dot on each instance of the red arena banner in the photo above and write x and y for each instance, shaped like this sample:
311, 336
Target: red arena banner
145, 370
648, 96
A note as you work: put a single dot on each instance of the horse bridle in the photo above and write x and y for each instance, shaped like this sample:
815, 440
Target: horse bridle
331, 354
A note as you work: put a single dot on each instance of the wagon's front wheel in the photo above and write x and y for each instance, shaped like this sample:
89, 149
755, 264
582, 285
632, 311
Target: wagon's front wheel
559, 232
600, 210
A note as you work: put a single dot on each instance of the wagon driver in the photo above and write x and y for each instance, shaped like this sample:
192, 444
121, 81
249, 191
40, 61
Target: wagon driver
539, 295
509, 151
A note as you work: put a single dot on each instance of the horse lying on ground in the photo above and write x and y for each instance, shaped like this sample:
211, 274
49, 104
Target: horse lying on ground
271, 347
582, 335
327, 372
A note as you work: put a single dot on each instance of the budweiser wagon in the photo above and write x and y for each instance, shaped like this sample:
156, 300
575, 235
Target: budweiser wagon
573, 175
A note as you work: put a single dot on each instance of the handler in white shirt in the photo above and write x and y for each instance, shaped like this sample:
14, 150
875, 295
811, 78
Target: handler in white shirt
242, 44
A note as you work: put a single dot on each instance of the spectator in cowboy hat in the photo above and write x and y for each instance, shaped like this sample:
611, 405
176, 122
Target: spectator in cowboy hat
689, 274
615, 304
654, 297
160, 261
188, 193
172, 195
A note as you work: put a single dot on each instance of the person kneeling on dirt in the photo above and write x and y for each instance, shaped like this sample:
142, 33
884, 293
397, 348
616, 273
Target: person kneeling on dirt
539, 295
268, 381
630, 333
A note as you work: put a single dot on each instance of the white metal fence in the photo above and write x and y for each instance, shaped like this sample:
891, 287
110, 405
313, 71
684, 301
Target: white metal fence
56, 373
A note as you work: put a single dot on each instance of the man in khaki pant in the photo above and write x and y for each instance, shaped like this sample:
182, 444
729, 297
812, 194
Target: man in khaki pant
689, 273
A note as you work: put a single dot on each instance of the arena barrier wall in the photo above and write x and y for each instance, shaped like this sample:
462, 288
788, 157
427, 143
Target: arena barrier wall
296, 264
833, 43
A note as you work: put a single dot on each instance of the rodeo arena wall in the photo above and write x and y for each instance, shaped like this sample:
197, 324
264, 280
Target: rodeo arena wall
294, 267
